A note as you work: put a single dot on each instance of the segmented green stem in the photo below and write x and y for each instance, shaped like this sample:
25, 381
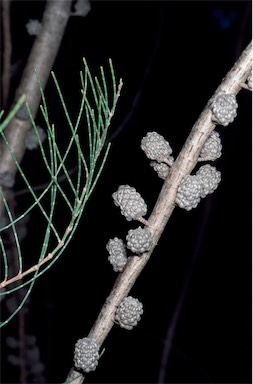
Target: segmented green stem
97, 110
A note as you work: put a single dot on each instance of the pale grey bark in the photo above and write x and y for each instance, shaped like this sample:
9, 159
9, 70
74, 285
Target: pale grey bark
165, 204
41, 59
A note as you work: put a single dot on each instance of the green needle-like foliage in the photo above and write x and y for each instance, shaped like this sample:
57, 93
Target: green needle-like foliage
12, 113
64, 186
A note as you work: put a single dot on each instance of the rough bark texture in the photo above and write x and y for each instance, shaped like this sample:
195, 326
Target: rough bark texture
165, 204
41, 59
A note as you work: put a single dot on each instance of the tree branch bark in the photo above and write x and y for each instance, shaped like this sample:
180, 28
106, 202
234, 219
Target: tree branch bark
7, 51
184, 164
41, 59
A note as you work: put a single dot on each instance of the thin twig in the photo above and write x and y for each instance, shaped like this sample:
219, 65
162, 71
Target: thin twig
7, 52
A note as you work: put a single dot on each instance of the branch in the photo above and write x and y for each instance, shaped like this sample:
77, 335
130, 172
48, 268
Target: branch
165, 204
41, 59
7, 51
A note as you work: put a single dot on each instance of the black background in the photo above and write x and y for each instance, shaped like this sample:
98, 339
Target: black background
171, 56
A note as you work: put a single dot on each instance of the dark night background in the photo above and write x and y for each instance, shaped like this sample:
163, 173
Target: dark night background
171, 56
